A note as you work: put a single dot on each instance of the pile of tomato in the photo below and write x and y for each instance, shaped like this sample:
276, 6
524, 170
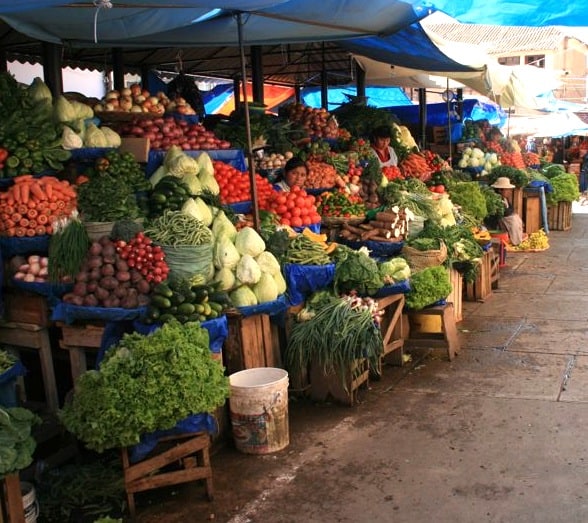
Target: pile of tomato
392, 172
235, 185
295, 208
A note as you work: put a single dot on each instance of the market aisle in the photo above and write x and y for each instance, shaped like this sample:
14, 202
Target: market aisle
497, 435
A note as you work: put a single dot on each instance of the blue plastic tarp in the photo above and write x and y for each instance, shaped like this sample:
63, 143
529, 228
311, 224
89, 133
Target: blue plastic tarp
68, 313
303, 280
377, 96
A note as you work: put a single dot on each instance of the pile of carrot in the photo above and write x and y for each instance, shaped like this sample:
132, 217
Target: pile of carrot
513, 159
30, 206
414, 165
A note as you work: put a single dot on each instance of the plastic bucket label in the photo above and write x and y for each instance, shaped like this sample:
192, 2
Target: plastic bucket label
259, 410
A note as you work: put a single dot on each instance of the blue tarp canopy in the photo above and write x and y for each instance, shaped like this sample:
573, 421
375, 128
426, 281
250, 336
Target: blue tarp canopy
437, 114
377, 96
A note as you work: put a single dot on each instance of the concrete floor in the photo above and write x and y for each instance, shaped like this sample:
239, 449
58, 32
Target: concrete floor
498, 435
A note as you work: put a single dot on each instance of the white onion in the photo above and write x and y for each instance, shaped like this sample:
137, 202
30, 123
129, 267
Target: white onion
19, 276
29, 277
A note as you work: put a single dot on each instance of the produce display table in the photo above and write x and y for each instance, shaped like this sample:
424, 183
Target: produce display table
481, 288
190, 451
11, 507
447, 339
392, 329
34, 337
79, 341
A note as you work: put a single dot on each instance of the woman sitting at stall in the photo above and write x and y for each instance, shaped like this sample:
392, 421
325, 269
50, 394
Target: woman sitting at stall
295, 173
386, 154
511, 222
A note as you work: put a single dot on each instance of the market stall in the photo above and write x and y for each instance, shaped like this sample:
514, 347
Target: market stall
147, 251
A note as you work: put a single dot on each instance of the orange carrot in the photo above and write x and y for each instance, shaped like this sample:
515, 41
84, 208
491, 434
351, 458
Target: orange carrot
16, 192
40, 230
38, 191
20, 232
23, 178
32, 213
25, 190
30, 232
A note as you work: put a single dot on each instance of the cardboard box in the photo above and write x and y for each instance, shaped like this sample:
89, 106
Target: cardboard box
138, 147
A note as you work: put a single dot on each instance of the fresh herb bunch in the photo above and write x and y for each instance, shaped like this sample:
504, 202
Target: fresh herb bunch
352, 332
107, 198
121, 165
551, 170
68, 247
470, 198
428, 287
146, 383
356, 271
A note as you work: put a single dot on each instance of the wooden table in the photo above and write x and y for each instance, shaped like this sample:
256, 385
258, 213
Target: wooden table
34, 337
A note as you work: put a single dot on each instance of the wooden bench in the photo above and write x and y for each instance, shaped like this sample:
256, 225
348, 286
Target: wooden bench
79, 341
34, 337
447, 338
11, 507
190, 451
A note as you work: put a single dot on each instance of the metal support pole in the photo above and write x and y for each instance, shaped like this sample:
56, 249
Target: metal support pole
423, 118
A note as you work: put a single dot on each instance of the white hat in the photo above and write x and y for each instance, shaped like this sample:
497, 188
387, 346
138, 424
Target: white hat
503, 183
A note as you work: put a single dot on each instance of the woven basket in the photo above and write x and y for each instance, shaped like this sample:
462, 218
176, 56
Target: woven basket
96, 230
419, 260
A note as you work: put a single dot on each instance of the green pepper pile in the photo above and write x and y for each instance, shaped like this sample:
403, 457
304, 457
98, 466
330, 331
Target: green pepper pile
340, 204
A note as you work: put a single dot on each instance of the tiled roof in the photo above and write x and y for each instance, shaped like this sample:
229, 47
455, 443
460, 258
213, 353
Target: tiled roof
502, 39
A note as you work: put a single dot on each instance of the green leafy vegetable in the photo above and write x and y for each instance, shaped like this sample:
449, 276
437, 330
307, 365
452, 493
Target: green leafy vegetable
470, 198
428, 287
16, 443
356, 271
146, 383
565, 189
517, 177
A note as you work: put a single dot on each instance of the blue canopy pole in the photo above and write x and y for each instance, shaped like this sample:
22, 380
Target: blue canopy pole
251, 160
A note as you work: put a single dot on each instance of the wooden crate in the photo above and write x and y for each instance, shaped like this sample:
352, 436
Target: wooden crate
455, 297
250, 343
559, 217
11, 506
343, 389
24, 307
80, 341
532, 212
481, 288
392, 329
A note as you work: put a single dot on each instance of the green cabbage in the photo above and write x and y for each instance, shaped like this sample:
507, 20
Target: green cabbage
222, 226
205, 163
39, 91
394, 270
248, 241
225, 278
280, 283
63, 110
193, 183
94, 137
181, 165
225, 254
248, 271
171, 154
243, 297
70, 140
156, 177
208, 182
266, 288
112, 137
196, 208
268, 263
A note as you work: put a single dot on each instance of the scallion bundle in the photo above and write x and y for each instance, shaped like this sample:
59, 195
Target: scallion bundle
68, 247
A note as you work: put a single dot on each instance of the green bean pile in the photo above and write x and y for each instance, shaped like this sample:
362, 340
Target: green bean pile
177, 228
304, 251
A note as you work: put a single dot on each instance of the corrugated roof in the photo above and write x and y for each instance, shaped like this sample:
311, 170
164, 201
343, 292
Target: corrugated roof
503, 39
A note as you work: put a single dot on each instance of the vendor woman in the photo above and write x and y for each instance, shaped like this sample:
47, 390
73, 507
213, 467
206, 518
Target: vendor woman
381, 137
511, 222
295, 173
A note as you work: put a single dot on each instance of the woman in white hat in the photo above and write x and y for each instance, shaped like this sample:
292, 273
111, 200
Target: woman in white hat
511, 222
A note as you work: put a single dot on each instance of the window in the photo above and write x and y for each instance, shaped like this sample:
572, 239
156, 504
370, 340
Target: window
509, 60
538, 60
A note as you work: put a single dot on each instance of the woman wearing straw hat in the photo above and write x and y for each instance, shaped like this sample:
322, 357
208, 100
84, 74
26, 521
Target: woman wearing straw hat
511, 222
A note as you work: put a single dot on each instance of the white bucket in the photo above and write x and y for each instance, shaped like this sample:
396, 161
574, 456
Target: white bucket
29, 502
259, 410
